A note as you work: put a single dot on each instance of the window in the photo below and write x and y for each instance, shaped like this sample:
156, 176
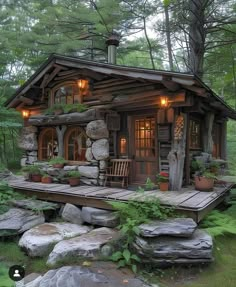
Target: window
75, 144
48, 144
68, 94
195, 134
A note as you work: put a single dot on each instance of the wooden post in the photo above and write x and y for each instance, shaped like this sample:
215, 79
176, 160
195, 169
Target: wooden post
223, 144
207, 133
176, 156
187, 158
60, 135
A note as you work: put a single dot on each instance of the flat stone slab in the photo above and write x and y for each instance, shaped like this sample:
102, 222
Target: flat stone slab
195, 249
100, 217
88, 245
16, 221
34, 204
39, 240
182, 227
106, 275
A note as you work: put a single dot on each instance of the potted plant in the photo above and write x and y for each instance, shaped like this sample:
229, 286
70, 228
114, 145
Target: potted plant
204, 180
58, 162
34, 172
73, 177
163, 180
46, 178
214, 167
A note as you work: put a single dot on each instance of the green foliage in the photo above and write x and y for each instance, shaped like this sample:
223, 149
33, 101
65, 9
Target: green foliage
32, 169
69, 108
73, 174
125, 258
7, 194
58, 160
149, 185
5, 280
163, 177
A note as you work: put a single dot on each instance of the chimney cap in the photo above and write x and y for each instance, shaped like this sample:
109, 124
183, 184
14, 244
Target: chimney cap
114, 39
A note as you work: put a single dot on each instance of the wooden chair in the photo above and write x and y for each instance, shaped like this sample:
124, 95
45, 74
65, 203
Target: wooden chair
118, 172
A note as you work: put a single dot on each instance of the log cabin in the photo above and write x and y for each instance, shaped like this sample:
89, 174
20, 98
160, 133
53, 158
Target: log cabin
159, 119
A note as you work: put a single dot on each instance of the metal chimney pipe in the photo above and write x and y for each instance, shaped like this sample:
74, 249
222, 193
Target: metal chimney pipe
112, 44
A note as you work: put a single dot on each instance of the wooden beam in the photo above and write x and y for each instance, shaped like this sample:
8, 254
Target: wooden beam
207, 133
187, 82
53, 74
44, 81
199, 91
171, 86
26, 100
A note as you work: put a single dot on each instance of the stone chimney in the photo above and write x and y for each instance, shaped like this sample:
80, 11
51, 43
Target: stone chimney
112, 44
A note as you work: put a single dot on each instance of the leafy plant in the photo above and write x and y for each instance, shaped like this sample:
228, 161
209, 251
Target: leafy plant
73, 174
126, 258
55, 107
149, 185
57, 160
69, 108
163, 177
32, 169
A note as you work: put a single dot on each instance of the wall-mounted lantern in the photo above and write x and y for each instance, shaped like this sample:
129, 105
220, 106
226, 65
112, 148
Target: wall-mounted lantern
25, 114
83, 86
164, 102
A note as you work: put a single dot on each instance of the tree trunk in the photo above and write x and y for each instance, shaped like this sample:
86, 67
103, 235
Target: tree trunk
176, 156
169, 46
207, 138
197, 35
60, 137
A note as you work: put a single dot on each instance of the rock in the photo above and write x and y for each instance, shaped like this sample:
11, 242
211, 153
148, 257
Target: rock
34, 283
170, 250
103, 164
100, 149
183, 227
7, 175
16, 221
23, 161
32, 153
97, 130
31, 277
70, 167
88, 142
87, 245
39, 240
77, 276
55, 171
88, 154
89, 171
72, 213
31, 159
33, 204
107, 250
28, 139
88, 181
100, 217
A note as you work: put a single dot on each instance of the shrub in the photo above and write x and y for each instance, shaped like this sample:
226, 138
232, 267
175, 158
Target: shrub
32, 169
75, 108
73, 174
58, 160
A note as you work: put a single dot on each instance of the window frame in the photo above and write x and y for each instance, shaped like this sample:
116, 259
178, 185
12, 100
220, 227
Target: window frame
67, 135
40, 141
199, 122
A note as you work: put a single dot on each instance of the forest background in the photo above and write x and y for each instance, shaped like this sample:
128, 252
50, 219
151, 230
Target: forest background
193, 36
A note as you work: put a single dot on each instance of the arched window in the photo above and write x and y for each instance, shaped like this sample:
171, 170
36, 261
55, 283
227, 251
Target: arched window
75, 144
67, 94
48, 144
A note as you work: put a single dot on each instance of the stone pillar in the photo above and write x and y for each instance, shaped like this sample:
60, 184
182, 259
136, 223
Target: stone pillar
29, 143
97, 152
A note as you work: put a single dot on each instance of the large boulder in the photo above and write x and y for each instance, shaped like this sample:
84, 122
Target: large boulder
164, 250
100, 149
89, 171
183, 227
16, 221
72, 213
39, 240
88, 245
77, 276
97, 130
88, 154
28, 139
100, 217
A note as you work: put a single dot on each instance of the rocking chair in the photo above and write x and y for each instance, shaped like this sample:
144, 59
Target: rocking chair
118, 172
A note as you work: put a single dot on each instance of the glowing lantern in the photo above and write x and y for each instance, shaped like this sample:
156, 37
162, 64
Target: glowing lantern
25, 114
164, 102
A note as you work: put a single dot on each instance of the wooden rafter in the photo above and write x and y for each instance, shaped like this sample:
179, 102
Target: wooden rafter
26, 100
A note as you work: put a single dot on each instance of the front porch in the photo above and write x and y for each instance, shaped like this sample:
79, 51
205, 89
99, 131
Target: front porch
193, 203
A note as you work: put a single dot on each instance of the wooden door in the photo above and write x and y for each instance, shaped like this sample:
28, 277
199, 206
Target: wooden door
143, 148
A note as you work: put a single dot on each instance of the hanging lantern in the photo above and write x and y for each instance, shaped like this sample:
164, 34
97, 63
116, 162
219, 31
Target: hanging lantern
164, 102
83, 86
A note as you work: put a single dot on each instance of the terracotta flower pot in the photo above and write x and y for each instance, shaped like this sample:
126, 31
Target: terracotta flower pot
58, 112
74, 181
36, 177
47, 179
203, 184
164, 186
58, 165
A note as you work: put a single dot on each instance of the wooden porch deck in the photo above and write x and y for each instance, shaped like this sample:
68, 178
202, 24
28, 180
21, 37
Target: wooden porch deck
195, 204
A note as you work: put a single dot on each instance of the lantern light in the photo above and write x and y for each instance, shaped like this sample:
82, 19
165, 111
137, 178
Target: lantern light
25, 114
82, 84
164, 102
